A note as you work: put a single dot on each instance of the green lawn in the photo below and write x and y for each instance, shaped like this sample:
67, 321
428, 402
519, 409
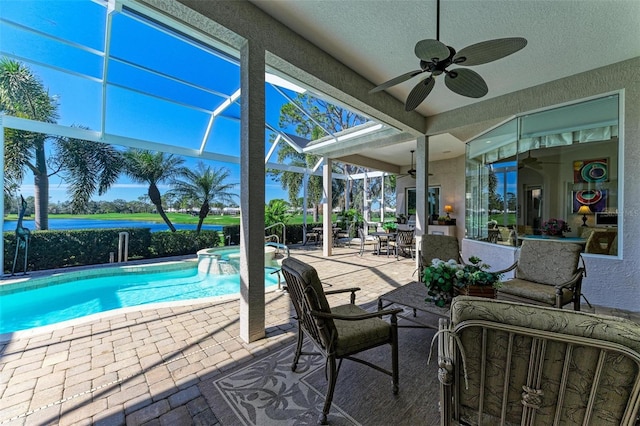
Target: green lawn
177, 218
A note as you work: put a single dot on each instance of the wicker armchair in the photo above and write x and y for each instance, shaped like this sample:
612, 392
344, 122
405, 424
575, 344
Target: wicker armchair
547, 273
337, 332
510, 363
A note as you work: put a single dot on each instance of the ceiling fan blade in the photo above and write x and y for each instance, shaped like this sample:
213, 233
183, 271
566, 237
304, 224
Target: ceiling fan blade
488, 51
396, 80
419, 93
466, 83
431, 50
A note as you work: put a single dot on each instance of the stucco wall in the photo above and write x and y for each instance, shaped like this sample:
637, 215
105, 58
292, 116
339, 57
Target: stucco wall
449, 176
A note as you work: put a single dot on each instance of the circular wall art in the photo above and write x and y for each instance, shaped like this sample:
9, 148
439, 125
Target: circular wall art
596, 199
589, 196
590, 171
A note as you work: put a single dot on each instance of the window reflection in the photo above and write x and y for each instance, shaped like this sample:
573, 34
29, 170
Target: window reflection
546, 166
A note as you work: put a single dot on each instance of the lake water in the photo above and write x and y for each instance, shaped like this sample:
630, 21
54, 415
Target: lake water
66, 224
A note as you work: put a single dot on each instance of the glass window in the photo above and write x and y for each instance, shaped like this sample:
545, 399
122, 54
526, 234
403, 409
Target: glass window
433, 200
555, 166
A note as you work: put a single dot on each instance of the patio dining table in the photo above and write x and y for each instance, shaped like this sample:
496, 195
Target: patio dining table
334, 232
383, 240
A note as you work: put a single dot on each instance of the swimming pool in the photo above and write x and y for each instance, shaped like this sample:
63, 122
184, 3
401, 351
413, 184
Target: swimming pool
44, 301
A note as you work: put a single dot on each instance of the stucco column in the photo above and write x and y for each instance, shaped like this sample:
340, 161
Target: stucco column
366, 204
327, 228
422, 190
422, 185
252, 194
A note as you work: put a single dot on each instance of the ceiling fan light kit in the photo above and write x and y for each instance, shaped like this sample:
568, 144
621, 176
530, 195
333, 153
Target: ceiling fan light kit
435, 58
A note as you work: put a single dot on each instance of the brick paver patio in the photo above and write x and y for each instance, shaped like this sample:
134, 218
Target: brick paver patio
145, 366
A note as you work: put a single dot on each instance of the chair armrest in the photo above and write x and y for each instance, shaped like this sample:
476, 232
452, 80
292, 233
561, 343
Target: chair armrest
571, 283
369, 315
445, 372
510, 268
351, 290
343, 290
445, 356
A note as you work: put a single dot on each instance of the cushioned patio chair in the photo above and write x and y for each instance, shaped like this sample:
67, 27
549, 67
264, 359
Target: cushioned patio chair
506, 363
337, 332
547, 273
443, 247
599, 240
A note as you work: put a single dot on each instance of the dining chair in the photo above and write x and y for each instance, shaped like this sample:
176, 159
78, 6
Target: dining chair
337, 332
404, 240
365, 240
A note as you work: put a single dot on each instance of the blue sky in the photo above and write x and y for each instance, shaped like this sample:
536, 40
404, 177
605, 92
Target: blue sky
140, 104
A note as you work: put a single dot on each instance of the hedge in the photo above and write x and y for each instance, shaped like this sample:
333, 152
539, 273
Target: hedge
231, 233
61, 249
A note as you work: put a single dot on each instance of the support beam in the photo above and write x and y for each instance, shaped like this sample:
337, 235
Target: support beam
252, 196
422, 185
422, 191
327, 226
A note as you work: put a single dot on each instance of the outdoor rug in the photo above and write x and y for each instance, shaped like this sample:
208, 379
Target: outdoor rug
266, 392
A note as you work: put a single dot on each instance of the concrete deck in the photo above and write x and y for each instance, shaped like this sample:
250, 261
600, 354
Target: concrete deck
146, 367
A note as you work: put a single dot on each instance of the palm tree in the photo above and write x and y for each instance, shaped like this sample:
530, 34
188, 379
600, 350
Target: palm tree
204, 185
88, 167
332, 118
150, 167
23, 95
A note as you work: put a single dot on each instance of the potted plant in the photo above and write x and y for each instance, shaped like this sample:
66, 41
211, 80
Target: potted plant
389, 226
442, 220
444, 280
555, 227
439, 278
477, 280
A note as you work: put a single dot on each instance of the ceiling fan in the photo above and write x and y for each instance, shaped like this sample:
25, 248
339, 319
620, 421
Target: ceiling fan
532, 162
412, 171
435, 57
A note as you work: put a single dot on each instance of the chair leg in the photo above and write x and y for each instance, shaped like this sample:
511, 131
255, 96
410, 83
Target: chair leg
333, 375
394, 354
296, 357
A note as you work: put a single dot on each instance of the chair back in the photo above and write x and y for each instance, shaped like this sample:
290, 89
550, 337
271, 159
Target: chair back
404, 238
442, 247
307, 295
547, 261
527, 364
599, 240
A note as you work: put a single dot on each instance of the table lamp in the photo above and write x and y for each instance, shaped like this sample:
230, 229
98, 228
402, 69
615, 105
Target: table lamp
584, 211
448, 209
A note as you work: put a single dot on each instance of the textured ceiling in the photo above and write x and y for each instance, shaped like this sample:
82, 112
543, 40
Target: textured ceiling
376, 38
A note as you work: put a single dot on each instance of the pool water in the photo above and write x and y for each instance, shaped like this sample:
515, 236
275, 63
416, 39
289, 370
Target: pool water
50, 304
